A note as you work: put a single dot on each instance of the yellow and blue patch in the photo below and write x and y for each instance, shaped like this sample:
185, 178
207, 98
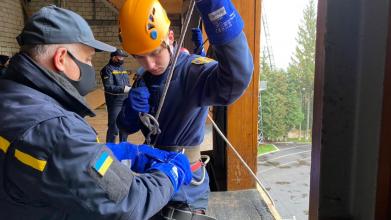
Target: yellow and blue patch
103, 163
201, 60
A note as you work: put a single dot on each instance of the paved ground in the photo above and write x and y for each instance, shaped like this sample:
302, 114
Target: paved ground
286, 176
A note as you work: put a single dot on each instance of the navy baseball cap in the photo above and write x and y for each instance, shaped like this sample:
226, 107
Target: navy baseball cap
119, 52
54, 25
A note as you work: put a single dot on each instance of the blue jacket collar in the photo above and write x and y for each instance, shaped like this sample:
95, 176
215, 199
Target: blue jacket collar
26, 71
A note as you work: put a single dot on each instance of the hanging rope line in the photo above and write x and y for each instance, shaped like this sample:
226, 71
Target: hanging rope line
240, 158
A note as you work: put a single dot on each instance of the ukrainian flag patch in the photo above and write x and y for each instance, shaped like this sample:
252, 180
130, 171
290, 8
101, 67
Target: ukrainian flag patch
201, 60
103, 163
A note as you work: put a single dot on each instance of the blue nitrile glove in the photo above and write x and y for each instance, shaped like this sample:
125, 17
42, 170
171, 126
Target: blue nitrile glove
196, 37
127, 151
141, 156
177, 168
124, 151
222, 22
139, 99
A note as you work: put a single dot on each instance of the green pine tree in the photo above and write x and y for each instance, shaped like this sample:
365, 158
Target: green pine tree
302, 65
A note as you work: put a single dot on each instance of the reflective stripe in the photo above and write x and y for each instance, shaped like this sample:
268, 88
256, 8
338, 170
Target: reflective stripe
4, 144
116, 72
97, 140
30, 161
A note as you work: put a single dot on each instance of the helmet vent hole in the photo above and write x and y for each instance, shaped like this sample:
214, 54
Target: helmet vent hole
151, 18
150, 26
153, 11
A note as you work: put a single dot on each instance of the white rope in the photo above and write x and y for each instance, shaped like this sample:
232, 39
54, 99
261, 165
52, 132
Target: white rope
240, 158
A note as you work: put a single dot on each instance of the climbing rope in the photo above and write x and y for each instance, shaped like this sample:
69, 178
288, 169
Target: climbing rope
240, 158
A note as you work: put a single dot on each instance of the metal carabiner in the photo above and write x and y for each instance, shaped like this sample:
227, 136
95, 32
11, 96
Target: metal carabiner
151, 123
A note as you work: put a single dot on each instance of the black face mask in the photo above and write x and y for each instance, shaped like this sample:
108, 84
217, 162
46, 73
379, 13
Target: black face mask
87, 82
120, 62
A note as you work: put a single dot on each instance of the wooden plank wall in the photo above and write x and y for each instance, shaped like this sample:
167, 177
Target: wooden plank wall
242, 116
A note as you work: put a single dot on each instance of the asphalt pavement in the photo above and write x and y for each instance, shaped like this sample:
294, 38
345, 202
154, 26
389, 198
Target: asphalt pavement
286, 176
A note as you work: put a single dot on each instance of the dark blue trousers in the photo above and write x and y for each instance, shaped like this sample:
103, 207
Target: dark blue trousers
113, 109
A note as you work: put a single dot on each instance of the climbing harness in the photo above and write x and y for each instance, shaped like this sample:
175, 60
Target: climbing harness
203, 162
116, 94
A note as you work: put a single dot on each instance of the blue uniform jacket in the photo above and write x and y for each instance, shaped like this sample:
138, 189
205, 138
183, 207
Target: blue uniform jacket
114, 78
197, 83
51, 164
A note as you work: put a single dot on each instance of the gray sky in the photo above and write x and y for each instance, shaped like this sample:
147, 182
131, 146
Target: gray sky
283, 18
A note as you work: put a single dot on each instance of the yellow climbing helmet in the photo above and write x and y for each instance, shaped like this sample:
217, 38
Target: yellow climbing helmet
144, 25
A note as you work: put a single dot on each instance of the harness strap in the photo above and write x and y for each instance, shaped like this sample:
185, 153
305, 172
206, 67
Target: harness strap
195, 158
197, 165
171, 213
193, 153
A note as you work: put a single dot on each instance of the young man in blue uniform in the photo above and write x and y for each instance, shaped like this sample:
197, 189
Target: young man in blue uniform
116, 84
51, 164
197, 83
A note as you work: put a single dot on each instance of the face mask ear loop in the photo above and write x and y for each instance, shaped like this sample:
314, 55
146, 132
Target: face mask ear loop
76, 62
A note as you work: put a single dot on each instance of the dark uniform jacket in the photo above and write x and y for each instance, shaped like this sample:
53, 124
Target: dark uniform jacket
197, 82
51, 164
2, 71
114, 78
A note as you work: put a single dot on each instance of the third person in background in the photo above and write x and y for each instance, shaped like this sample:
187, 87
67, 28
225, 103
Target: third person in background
116, 84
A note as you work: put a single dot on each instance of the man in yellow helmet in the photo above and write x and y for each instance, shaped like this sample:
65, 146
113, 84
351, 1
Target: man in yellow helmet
197, 83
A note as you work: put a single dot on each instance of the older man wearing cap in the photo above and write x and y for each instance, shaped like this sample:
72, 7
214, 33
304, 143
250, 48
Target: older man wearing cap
116, 83
52, 165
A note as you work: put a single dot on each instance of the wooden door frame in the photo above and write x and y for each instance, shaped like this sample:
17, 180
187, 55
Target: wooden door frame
318, 110
383, 194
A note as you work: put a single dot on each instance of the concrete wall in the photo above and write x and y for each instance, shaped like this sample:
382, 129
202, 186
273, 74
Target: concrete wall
11, 24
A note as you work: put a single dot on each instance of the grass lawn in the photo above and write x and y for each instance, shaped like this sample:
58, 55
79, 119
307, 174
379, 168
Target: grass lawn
266, 148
